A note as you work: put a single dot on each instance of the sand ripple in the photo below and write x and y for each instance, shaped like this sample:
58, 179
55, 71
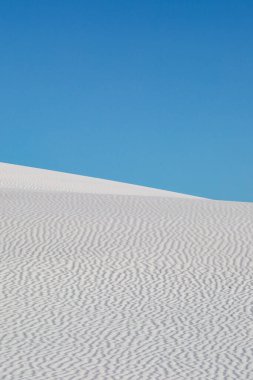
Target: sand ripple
117, 287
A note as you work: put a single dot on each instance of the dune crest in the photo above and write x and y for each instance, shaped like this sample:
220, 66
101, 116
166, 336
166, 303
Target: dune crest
28, 178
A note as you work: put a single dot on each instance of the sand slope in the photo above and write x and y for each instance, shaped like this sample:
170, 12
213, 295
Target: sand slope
108, 281
26, 178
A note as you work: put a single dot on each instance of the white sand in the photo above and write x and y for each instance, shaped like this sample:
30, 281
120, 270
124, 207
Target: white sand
109, 281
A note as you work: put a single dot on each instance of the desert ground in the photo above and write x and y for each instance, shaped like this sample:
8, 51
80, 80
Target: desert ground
101, 280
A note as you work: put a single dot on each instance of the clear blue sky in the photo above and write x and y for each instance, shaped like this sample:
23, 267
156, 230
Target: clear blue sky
157, 93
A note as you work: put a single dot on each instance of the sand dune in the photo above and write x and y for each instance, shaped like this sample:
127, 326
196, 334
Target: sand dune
26, 178
108, 281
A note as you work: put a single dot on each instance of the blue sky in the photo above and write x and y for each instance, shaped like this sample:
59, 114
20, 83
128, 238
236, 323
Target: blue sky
157, 93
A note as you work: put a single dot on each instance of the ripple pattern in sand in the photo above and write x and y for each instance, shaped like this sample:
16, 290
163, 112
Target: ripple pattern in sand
107, 287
